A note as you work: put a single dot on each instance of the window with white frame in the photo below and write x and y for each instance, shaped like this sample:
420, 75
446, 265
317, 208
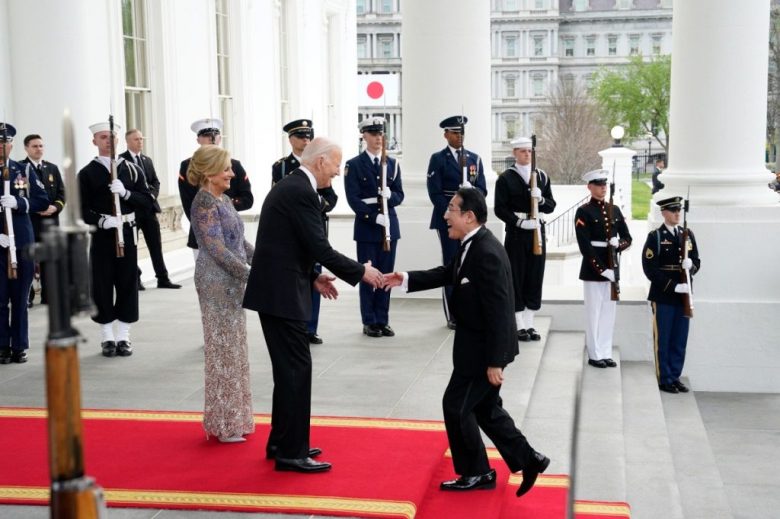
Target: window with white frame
386, 46
538, 45
623, 4
657, 42
511, 5
612, 44
510, 45
537, 85
510, 124
362, 46
510, 86
540, 4
590, 45
568, 80
224, 87
633, 44
568, 46
137, 87
361, 6
580, 5
386, 6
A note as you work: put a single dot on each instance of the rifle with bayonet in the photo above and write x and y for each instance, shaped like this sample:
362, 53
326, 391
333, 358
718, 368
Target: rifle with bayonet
7, 211
534, 212
613, 260
463, 163
117, 207
383, 209
685, 273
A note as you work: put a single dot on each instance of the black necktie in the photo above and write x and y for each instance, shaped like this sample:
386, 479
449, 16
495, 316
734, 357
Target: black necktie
139, 162
376, 163
459, 153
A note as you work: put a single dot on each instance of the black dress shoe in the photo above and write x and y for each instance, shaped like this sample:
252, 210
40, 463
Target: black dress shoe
315, 339
597, 363
523, 336
124, 349
5, 355
109, 348
538, 465
682, 388
610, 363
301, 465
29, 304
166, 283
533, 334
668, 388
483, 482
270, 452
451, 325
372, 330
386, 330
19, 357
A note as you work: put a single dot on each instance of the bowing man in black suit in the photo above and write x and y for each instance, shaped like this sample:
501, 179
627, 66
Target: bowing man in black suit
485, 342
290, 240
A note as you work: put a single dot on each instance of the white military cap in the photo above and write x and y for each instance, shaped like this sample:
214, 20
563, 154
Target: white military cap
521, 142
372, 124
597, 175
103, 126
209, 125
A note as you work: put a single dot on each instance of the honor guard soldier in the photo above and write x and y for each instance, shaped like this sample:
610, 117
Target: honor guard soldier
25, 194
49, 175
665, 266
114, 275
592, 224
513, 200
365, 194
300, 132
445, 177
209, 131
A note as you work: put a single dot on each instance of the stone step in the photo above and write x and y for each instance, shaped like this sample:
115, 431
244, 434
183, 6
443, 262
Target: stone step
601, 457
651, 483
701, 486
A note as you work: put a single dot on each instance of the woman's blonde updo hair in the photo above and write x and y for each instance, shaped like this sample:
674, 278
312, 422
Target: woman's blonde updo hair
207, 161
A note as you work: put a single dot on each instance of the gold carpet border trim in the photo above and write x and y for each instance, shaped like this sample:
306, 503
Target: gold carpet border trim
597, 508
402, 509
163, 416
551, 481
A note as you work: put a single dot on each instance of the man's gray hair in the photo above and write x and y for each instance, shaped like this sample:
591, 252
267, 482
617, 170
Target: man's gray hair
316, 148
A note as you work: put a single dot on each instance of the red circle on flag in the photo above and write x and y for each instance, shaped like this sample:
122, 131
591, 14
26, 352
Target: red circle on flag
375, 90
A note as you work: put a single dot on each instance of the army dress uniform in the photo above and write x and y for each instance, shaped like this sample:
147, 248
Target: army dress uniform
362, 183
444, 179
512, 206
27, 195
661, 262
590, 223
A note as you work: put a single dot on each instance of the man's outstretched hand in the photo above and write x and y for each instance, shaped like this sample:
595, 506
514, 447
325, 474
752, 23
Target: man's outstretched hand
393, 279
372, 276
324, 285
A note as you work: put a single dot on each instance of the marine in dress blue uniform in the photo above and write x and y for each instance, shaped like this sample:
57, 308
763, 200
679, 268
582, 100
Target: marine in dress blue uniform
445, 177
25, 195
363, 185
300, 132
662, 261
590, 224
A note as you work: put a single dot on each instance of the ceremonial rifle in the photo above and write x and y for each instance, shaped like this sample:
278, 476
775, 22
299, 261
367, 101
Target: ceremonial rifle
7, 211
120, 236
462, 162
534, 213
63, 254
685, 274
613, 261
382, 200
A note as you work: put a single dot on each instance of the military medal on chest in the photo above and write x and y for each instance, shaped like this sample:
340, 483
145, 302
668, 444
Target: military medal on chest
20, 184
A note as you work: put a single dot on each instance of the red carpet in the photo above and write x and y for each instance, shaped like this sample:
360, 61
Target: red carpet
162, 460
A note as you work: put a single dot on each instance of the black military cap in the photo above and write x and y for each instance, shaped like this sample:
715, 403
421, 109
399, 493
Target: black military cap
7, 132
372, 125
299, 128
670, 204
453, 124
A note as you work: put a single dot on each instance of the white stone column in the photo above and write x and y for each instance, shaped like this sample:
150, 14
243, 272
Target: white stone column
717, 134
618, 160
446, 69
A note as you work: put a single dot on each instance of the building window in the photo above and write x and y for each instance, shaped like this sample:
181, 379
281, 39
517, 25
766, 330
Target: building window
633, 44
510, 45
362, 46
568, 47
623, 4
580, 5
224, 90
590, 45
511, 5
386, 6
657, 39
539, 4
385, 46
511, 127
612, 45
361, 6
538, 46
537, 83
137, 91
510, 83
568, 80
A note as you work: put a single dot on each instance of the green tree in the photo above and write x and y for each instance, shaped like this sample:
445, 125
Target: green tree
636, 96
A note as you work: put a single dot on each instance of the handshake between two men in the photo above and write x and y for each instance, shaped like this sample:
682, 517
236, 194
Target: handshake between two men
324, 283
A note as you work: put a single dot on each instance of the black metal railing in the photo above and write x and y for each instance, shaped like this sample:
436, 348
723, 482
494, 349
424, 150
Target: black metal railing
501, 165
560, 230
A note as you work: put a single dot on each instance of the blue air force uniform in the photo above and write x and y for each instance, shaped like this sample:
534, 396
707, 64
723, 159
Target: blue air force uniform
444, 178
661, 261
362, 183
30, 197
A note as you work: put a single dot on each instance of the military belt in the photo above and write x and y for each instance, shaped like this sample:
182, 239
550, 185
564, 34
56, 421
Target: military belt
599, 243
674, 268
370, 200
522, 216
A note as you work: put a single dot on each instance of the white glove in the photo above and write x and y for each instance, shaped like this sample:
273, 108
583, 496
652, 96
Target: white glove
110, 222
687, 263
118, 188
381, 220
386, 193
682, 288
614, 242
4, 241
609, 274
528, 225
536, 193
9, 201
466, 184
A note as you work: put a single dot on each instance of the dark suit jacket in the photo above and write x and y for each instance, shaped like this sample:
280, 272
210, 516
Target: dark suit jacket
444, 178
287, 165
55, 189
482, 303
147, 168
290, 239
